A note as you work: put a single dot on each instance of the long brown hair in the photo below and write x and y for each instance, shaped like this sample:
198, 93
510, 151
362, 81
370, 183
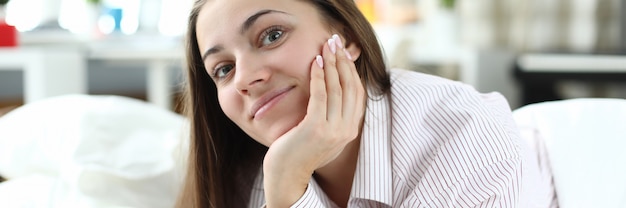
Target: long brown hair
223, 160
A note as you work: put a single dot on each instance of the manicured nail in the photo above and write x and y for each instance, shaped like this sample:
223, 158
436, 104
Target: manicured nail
338, 41
319, 61
347, 54
332, 45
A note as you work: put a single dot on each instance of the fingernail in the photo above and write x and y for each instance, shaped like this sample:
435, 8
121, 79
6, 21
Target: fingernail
338, 41
347, 54
319, 61
332, 45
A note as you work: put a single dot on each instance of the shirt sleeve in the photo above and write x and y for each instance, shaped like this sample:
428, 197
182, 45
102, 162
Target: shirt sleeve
481, 170
497, 185
500, 185
314, 196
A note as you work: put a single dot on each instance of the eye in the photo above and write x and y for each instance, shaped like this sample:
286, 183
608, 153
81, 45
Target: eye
271, 35
222, 71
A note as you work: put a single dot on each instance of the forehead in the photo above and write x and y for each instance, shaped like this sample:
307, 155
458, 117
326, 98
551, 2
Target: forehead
220, 19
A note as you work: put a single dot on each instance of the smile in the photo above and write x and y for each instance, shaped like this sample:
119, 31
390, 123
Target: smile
268, 101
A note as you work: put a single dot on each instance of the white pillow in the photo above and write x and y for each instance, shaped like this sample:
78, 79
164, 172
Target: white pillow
109, 148
584, 142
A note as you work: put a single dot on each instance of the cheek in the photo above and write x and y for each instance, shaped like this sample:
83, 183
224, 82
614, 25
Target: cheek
300, 65
231, 104
297, 58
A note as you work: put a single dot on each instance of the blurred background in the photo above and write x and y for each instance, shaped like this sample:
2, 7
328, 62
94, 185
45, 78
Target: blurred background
528, 50
97, 147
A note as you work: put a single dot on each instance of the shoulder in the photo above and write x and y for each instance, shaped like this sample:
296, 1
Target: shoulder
406, 82
424, 96
436, 108
436, 120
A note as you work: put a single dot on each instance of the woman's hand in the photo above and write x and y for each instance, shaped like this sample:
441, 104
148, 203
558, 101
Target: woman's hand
334, 112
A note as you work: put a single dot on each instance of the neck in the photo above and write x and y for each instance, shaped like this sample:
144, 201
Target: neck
336, 177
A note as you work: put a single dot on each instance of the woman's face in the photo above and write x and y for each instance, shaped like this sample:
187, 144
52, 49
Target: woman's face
259, 54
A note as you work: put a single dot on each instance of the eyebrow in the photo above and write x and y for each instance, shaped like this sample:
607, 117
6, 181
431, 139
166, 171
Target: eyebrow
212, 50
244, 27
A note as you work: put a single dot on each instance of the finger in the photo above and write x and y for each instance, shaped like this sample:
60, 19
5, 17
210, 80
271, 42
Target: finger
353, 86
316, 108
346, 80
361, 96
352, 99
333, 86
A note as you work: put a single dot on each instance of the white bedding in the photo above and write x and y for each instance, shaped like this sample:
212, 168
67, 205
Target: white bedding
90, 151
583, 141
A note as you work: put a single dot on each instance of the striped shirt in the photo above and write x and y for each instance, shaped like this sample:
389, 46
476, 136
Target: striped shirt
435, 143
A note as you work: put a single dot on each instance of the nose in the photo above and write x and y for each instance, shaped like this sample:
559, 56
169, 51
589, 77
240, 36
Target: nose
250, 75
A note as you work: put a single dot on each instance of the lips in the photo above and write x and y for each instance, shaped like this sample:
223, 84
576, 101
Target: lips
267, 101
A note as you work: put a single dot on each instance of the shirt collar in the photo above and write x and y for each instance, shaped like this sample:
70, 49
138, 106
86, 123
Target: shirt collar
372, 178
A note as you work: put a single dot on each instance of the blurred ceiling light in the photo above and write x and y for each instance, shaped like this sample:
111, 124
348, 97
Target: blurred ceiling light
130, 18
106, 24
21, 14
73, 16
173, 20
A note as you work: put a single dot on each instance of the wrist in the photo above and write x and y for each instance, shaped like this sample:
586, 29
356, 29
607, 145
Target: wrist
284, 188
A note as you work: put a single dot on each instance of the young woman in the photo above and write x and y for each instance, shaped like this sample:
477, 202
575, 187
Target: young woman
291, 104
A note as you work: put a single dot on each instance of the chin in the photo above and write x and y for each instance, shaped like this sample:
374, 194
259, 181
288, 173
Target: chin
279, 128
